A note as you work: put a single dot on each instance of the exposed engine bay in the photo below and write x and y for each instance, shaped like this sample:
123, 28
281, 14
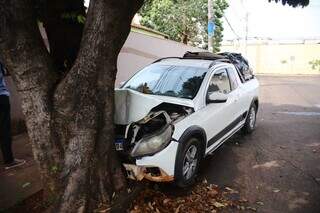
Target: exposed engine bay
151, 133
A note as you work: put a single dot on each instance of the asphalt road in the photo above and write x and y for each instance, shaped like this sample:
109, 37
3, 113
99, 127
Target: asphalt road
277, 168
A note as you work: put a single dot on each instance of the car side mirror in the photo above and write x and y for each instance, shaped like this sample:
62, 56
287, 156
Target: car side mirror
217, 97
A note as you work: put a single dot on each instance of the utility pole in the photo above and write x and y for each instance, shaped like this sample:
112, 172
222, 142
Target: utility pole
247, 31
210, 25
246, 19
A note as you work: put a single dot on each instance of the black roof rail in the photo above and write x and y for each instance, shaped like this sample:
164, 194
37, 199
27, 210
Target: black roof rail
160, 59
216, 58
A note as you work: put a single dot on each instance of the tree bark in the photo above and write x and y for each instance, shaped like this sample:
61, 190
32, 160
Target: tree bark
70, 119
23, 52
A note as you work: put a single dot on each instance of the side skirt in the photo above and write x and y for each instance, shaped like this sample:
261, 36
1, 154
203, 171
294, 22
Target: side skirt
226, 133
216, 146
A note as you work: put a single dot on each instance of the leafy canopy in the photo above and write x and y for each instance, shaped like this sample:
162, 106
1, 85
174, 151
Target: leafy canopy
293, 3
184, 20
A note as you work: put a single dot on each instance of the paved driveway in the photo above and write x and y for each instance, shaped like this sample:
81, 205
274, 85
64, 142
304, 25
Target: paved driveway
277, 168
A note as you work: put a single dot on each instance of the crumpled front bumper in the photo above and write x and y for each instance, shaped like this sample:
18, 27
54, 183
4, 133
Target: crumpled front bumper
164, 161
138, 173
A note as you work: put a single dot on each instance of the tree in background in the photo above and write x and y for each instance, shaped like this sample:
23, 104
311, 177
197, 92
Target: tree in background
184, 20
293, 3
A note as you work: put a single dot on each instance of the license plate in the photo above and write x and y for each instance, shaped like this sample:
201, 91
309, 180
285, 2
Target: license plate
119, 144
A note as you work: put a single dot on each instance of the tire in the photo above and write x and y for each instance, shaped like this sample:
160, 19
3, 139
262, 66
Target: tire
188, 162
251, 119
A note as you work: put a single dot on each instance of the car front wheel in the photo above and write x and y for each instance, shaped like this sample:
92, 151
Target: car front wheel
188, 162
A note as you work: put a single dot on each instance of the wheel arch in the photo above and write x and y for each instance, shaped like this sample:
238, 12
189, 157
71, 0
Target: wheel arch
191, 132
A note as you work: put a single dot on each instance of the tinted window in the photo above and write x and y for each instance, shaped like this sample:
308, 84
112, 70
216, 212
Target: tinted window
219, 82
233, 78
176, 81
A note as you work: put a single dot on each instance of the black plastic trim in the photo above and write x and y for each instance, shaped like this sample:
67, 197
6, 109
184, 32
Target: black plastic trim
191, 131
223, 132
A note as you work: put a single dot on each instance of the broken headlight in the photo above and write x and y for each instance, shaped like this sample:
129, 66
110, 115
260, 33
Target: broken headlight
154, 143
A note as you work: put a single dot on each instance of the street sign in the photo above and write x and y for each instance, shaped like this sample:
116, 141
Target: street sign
211, 28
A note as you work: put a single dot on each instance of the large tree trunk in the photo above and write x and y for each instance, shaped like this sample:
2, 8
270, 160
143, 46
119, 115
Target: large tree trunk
70, 118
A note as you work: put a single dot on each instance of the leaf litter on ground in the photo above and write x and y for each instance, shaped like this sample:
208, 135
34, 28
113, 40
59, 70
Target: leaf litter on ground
203, 197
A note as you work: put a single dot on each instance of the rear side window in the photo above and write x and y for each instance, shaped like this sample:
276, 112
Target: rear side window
220, 82
233, 78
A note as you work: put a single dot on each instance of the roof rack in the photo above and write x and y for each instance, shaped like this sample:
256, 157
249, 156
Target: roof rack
202, 55
160, 59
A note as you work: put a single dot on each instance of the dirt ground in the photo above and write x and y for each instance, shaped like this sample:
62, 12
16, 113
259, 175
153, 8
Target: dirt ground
277, 168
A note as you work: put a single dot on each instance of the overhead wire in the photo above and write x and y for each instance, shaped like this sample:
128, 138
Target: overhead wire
232, 29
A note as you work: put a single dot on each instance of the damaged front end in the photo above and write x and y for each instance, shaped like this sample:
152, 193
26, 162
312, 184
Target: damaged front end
138, 173
147, 136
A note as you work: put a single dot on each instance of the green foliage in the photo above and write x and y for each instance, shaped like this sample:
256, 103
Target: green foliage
315, 64
73, 16
293, 3
184, 20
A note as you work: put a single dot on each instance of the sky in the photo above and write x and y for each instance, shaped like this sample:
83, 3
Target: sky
272, 20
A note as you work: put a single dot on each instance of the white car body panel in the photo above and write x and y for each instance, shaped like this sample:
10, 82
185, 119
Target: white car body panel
164, 159
219, 120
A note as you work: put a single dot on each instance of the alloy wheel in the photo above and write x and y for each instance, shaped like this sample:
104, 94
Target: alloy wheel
190, 162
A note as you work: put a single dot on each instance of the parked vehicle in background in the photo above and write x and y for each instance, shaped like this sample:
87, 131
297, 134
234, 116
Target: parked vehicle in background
176, 111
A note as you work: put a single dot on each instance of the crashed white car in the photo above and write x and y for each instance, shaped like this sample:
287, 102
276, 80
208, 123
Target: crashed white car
176, 111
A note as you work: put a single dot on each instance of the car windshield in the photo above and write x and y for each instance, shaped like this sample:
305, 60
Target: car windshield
167, 80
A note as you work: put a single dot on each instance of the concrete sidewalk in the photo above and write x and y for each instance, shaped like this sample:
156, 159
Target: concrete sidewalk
19, 183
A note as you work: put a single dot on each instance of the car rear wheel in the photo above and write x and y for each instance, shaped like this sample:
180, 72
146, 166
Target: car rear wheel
250, 123
188, 162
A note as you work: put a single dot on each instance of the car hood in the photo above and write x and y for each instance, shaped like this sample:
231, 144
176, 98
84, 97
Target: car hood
132, 106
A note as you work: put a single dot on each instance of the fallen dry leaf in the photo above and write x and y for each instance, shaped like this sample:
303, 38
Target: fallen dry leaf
276, 190
260, 203
203, 197
165, 201
26, 185
150, 206
218, 205
229, 189
251, 208
178, 209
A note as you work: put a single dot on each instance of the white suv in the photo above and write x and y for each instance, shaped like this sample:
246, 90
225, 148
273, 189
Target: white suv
176, 111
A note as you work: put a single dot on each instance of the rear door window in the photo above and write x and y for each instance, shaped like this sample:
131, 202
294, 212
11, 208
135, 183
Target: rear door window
233, 78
